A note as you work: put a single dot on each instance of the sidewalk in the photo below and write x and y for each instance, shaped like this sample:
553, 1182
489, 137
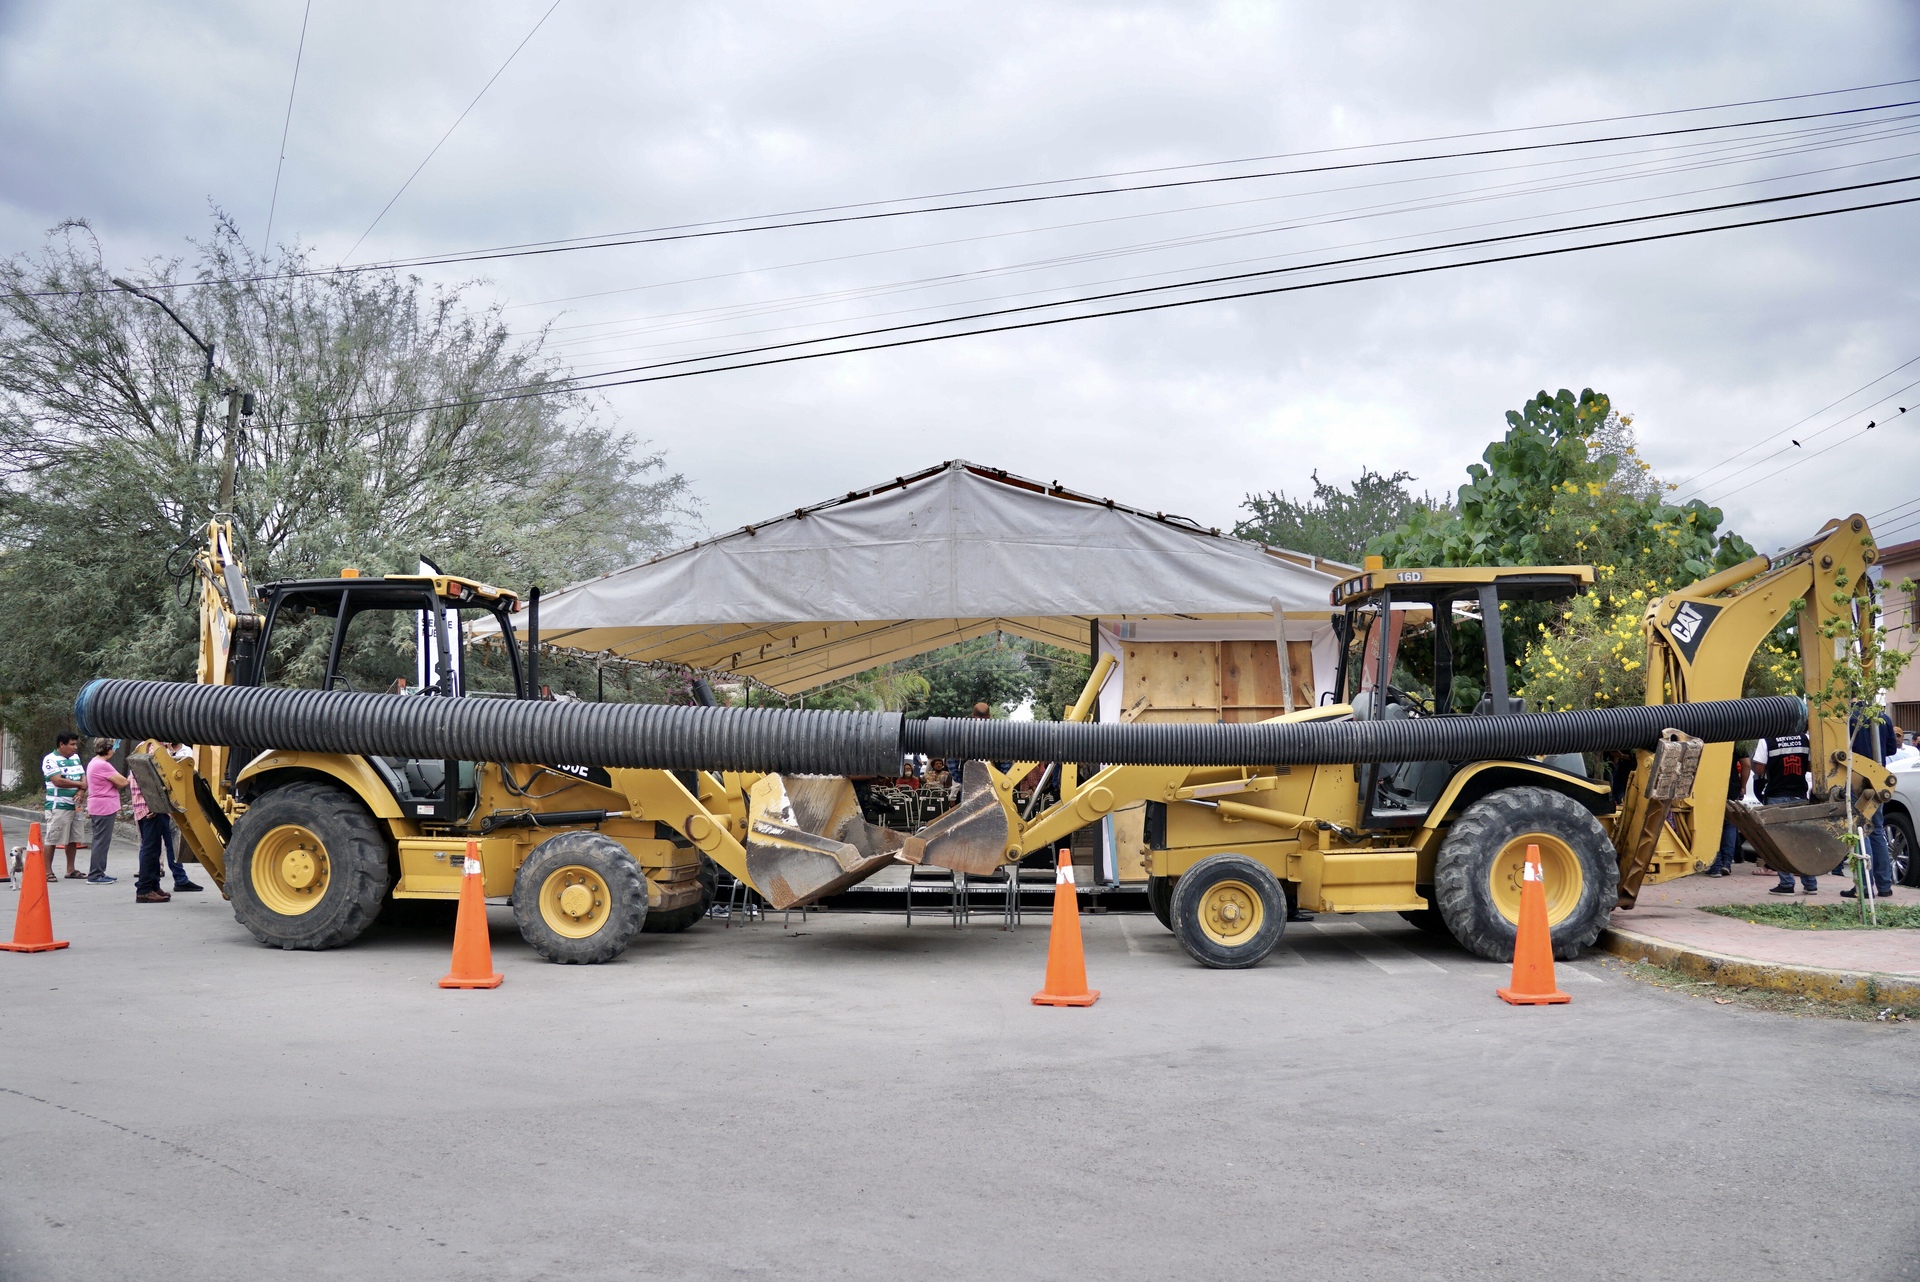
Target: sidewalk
1668, 927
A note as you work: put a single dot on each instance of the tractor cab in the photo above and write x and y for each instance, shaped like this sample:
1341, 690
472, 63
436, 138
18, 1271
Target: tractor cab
403, 634
1417, 643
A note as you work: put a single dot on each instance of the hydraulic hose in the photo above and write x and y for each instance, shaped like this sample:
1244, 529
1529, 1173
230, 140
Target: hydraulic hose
650, 736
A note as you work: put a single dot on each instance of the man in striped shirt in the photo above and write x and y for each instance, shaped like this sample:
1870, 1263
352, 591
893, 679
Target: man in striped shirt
65, 774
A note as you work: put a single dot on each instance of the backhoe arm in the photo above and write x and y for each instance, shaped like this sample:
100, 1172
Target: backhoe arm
1701, 641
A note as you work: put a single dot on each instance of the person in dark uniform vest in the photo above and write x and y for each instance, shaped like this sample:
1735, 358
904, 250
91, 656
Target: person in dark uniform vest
1782, 763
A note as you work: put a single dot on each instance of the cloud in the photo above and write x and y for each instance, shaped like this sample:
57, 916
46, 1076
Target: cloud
636, 116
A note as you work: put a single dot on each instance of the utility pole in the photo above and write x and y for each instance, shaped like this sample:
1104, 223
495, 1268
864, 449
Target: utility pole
238, 403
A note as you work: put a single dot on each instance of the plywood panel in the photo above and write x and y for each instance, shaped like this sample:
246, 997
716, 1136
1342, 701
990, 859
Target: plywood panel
1175, 677
1250, 688
1130, 843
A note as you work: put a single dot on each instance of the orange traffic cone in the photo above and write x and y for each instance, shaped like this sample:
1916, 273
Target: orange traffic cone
472, 950
1533, 983
33, 922
1066, 959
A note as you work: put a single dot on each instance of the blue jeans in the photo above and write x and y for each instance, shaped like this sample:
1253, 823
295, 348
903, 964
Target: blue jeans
153, 829
180, 877
1809, 884
1729, 847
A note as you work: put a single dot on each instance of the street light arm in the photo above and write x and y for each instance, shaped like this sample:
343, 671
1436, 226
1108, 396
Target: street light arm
198, 341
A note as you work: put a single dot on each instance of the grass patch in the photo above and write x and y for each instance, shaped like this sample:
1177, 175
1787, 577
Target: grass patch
1767, 999
1799, 915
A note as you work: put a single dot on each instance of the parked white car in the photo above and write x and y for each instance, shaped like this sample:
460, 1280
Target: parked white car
1903, 813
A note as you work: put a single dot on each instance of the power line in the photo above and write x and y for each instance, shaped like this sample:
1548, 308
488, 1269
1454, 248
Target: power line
1230, 278
1801, 460
1896, 507
657, 236
450, 128
563, 243
1699, 147
1797, 423
698, 231
745, 310
573, 385
266, 241
1801, 445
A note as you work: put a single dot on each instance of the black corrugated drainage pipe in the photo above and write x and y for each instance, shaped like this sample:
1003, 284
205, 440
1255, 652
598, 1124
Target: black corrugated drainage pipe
853, 743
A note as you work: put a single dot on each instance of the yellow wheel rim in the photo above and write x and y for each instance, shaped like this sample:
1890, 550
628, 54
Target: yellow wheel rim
290, 870
575, 901
1558, 864
1231, 913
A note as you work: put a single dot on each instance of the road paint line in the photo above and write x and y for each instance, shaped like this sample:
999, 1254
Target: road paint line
1149, 941
1577, 975
1382, 953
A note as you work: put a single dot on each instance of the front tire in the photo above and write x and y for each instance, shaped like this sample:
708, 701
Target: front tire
1477, 872
579, 898
1228, 912
307, 867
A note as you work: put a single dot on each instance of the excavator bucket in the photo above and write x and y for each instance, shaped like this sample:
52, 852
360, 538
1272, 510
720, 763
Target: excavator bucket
807, 838
973, 836
1806, 839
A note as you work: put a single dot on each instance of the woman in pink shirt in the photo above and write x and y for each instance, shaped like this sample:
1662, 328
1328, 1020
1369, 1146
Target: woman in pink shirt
103, 807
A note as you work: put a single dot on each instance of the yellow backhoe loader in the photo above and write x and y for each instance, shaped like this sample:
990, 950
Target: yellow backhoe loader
309, 845
1232, 852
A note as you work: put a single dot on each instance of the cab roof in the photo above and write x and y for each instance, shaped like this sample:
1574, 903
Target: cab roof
1445, 583
392, 592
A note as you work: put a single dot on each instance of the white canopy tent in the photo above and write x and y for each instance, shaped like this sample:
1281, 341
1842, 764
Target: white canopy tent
923, 561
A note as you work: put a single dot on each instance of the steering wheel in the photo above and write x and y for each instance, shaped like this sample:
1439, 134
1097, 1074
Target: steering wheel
1414, 701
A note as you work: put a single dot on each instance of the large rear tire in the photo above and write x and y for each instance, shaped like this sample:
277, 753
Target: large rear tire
307, 867
1477, 873
580, 898
1228, 912
1160, 899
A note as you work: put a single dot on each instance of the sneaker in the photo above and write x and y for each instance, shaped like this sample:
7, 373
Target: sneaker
152, 897
101, 880
1779, 890
1719, 872
187, 886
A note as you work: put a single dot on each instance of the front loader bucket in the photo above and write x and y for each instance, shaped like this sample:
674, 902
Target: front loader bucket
807, 838
1797, 839
972, 837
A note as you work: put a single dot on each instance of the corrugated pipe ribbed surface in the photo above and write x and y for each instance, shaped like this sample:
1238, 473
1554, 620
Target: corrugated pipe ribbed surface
1462, 738
646, 736
634, 735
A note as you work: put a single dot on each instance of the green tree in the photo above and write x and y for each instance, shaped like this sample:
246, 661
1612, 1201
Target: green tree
991, 670
371, 446
1335, 523
1566, 485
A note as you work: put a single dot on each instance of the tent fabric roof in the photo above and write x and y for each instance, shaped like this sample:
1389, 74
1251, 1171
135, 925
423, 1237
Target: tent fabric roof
954, 552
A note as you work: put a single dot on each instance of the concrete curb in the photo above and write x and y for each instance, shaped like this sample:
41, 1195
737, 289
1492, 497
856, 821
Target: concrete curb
1744, 972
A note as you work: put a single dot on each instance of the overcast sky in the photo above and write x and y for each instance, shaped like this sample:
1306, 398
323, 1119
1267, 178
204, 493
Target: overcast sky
620, 116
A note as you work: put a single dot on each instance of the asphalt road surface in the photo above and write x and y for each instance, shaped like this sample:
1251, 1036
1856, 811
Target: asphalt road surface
849, 1098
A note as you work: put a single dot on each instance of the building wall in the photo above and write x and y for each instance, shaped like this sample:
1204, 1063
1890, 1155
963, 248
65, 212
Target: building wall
1898, 564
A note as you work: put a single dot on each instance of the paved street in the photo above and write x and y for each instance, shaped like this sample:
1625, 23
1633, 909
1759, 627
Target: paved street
854, 1099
